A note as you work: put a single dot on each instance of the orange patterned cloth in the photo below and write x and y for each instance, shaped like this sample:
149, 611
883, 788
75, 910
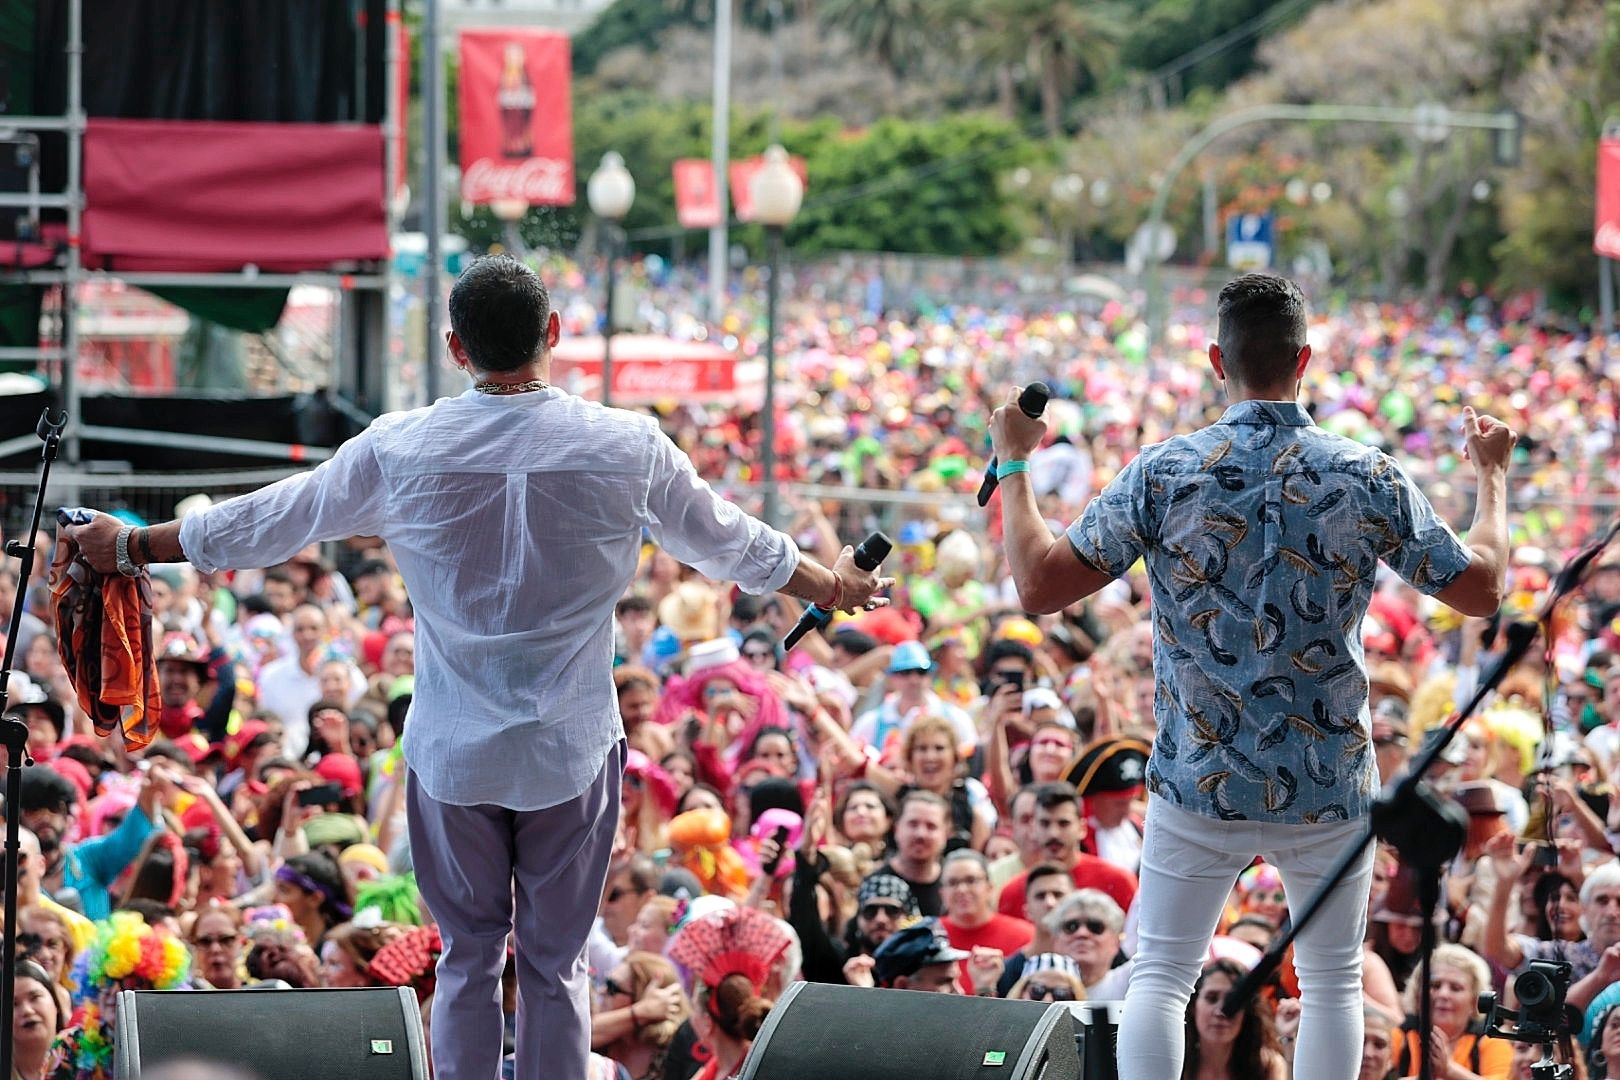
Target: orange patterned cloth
104, 636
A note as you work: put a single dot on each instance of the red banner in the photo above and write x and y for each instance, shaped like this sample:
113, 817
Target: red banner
697, 202
742, 173
1606, 238
647, 369
205, 195
517, 138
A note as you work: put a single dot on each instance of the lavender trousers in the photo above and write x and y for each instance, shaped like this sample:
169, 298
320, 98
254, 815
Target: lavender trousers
1189, 863
484, 871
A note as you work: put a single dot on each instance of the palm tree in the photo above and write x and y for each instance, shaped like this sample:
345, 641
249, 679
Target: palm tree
899, 33
1062, 39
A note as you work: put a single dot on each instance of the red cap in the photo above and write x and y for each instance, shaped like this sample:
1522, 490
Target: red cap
341, 769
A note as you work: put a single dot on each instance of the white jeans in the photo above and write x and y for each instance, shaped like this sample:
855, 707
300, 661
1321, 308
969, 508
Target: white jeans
1189, 864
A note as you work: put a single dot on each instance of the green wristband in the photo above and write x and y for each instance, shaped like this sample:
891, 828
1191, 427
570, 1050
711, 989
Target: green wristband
1008, 468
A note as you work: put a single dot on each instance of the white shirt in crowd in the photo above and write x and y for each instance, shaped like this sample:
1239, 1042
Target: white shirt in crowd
288, 691
516, 522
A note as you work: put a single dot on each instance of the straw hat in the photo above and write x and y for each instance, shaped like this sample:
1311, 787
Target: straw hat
690, 612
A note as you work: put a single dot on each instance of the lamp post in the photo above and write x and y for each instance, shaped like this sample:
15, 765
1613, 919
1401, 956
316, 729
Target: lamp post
509, 212
610, 191
777, 193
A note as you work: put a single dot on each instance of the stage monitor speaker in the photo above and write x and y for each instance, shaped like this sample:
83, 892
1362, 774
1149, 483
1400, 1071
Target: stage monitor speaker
818, 1031
372, 1033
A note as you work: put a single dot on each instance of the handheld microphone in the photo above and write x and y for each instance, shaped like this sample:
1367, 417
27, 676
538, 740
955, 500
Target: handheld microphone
869, 556
1032, 402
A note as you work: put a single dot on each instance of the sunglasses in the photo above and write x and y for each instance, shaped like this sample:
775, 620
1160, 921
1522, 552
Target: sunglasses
613, 989
872, 911
1038, 992
1094, 927
617, 893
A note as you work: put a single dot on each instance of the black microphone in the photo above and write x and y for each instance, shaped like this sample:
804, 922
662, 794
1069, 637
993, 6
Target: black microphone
1033, 402
869, 556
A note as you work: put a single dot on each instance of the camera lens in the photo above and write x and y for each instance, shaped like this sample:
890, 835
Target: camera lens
1533, 989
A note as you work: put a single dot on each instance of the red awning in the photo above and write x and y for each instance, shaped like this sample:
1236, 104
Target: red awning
649, 369
204, 196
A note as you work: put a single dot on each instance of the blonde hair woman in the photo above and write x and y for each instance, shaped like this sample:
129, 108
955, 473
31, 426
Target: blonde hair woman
641, 1051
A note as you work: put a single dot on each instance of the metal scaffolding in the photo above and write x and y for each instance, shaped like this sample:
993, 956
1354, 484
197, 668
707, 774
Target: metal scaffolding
360, 331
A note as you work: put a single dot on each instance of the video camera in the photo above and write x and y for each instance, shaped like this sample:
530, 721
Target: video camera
1543, 1016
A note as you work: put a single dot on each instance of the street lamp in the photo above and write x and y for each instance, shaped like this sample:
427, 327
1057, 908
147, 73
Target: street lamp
509, 212
776, 192
610, 191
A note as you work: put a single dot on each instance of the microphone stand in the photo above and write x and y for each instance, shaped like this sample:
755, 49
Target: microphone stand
14, 735
1426, 829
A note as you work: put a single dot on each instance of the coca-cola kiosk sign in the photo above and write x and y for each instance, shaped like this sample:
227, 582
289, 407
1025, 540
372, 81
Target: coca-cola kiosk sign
1606, 232
517, 136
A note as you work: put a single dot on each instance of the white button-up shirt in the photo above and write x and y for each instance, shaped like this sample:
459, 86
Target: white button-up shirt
516, 522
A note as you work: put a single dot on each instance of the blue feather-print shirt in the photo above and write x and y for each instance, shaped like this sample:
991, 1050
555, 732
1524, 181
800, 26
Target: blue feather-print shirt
1262, 535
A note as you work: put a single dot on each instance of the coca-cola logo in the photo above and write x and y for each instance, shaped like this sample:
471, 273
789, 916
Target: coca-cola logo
515, 97
1608, 240
537, 181
656, 378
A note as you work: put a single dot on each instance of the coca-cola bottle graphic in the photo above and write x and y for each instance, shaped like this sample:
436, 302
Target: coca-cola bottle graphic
515, 99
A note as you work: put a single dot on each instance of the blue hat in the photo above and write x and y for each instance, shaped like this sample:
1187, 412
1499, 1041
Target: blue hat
908, 951
910, 656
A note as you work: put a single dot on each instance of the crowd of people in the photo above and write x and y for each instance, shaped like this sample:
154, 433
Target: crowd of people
945, 794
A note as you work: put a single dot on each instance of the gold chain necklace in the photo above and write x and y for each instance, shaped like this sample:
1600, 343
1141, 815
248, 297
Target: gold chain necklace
511, 388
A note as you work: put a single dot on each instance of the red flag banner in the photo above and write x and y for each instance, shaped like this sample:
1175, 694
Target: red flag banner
742, 173
1606, 238
517, 138
697, 202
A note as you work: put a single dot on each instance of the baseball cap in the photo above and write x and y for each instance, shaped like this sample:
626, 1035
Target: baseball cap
908, 951
910, 656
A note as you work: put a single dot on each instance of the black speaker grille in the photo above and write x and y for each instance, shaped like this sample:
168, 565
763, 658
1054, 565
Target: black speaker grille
825, 1032
277, 1034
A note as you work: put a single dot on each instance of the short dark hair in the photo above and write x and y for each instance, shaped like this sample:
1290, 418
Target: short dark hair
1001, 650
635, 602
499, 309
1261, 329
1054, 794
926, 797
327, 705
1043, 870
43, 788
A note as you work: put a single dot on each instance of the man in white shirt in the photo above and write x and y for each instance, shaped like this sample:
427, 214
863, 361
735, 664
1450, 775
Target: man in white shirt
514, 513
289, 686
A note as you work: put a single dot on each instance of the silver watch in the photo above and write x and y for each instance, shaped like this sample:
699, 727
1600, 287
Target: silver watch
121, 552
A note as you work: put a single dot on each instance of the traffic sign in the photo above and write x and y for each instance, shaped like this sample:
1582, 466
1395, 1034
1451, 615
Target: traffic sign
1249, 241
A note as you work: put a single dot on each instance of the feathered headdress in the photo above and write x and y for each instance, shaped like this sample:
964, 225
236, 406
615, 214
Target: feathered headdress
737, 941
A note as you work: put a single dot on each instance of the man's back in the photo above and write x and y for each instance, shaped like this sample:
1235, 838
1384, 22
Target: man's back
1262, 535
516, 522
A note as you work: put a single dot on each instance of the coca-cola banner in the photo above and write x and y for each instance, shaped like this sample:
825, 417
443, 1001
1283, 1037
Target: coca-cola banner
517, 136
697, 198
1606, 240
742, 174
647, 369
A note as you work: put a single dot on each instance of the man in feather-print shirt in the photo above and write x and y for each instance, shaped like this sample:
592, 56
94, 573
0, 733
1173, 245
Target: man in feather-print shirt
1261, 535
